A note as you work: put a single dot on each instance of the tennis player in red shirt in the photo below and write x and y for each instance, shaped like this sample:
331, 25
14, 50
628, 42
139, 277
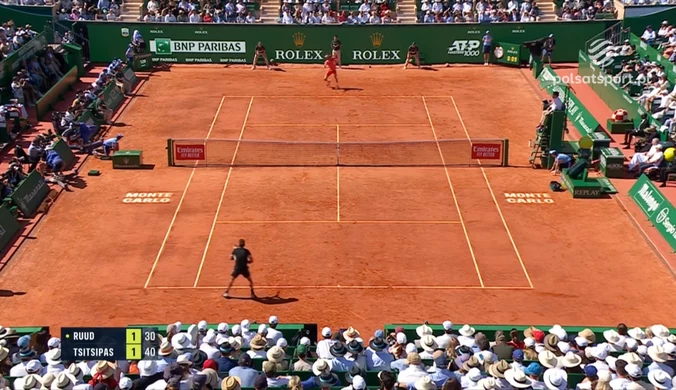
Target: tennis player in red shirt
331, 63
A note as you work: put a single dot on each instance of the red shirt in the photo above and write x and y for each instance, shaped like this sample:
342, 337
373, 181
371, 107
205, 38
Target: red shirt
331, 63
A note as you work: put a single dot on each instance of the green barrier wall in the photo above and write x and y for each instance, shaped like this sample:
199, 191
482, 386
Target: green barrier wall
614, 96
656, 207
382, 44
28, 196
8, 227
11, 64
66, 154
44, 104
582, 119
36, 16
112, 96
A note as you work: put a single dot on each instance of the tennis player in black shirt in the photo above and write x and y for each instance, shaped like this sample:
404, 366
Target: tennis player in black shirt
242, 258
413, 53
260, 52
335, 49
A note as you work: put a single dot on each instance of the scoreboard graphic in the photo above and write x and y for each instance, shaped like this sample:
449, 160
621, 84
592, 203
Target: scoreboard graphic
110, 343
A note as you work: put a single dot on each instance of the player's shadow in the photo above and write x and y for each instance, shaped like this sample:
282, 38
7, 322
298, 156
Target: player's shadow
269, 300
10, 293
429, 68
345, 89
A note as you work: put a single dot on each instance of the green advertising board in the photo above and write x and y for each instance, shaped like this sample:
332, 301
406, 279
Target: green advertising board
10, 65
508, 53
8, 227
129, 76
112, 96
369, 44
30, 193
582, 119
656, 207
66, 153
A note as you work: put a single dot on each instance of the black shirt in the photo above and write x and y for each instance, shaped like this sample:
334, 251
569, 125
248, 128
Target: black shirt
549, 44
260, 49
335, 45
241, 256
413, 49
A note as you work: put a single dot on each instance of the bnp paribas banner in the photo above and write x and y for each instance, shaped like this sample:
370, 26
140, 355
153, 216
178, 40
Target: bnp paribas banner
368, 44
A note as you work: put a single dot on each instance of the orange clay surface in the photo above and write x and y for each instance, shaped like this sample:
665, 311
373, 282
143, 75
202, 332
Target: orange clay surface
431, 244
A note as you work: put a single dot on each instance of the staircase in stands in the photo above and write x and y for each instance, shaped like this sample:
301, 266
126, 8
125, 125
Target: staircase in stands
406, 11
270, 11
548, 10
131, 10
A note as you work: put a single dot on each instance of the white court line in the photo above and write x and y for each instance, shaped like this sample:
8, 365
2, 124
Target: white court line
490, 189
455, 199
225, 186
180, 202
340, 287
338, 177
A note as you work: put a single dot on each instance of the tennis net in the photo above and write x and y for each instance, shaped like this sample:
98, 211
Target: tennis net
252, 153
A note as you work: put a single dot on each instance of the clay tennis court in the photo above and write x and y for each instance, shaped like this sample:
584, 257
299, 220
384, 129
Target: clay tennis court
334, 245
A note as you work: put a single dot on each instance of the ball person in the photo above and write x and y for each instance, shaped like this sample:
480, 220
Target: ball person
412, 53
260, 52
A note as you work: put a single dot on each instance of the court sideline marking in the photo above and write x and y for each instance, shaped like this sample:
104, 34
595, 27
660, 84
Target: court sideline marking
340, 287
342, 222
338, 177
225, 186
455, 199
490, 189
180, 202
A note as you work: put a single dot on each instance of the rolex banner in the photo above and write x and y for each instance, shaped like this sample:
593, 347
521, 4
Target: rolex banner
367, 44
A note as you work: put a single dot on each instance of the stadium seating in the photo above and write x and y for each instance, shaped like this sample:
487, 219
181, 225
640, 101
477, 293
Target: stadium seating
575, 374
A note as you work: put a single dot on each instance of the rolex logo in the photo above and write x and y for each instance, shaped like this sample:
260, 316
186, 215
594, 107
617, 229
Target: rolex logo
299, 39
377, 39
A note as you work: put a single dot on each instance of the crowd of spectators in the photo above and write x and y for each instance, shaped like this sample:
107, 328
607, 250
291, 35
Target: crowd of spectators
201, 359
13, 37
100, 10
36, 75
586, 10
481, 11
194, 11
317, 12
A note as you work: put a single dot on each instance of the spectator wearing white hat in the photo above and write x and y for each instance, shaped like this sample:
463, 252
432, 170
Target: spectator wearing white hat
247, 334
429, 344
421, 331
599, 353
615, 341
466, 335
278, 356
148, 374
209, 345
222, 333
445, 339
660, 379
377, 358
529, 349
414, 371
471, 379
28, 382
402, 362
54, 363
358, 383
167, 355
51, 344
660, 357
47, 381
124, 384
324, 346
273, 334
202, 331
556, 379
27, 368
634, 375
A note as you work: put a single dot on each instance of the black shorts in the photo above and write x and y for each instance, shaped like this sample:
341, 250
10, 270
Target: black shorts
487, 49
241, 272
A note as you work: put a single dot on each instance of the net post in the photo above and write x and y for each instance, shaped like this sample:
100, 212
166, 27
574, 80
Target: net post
206, 157
170, 152
505, 152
